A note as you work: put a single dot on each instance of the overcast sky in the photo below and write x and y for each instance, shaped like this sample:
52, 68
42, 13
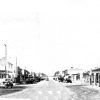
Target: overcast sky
49, 35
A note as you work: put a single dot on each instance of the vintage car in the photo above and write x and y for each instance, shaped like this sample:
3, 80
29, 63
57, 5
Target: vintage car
7, 82
68, 80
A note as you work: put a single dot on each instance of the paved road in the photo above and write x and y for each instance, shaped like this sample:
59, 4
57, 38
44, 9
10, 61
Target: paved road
52, 90
85, 93
46, 90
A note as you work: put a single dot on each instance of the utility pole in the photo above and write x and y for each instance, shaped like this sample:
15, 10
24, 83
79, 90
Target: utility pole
5, 60
5, 51
16, 61
16, 68
16, 71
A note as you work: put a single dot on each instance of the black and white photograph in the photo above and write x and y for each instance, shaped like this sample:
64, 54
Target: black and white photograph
49, 49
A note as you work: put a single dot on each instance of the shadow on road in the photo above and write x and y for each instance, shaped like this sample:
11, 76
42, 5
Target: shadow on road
4, 91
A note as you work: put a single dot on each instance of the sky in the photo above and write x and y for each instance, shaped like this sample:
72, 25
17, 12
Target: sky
51, 35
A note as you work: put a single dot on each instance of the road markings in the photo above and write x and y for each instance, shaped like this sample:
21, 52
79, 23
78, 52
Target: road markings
40, 92
59, 92
36, 98
46, 97
50, 92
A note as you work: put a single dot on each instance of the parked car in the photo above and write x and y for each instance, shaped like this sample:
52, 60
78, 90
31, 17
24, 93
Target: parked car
68, 80
7, 83
61, 79
29, 81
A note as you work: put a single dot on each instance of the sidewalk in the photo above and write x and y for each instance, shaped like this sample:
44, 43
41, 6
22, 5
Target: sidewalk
93, 87
83, 84
75, 83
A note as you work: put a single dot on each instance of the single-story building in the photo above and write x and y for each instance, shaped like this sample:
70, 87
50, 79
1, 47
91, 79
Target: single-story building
95, 77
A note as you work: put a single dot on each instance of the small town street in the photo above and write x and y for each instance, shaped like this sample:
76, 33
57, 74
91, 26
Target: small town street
49, 50
52, 90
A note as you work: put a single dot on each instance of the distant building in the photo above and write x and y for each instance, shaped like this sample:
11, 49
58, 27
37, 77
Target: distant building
6, 69
76, 74
86, 77
21, 75
65, 72
2, 69
18, 74
9, 69
95, 77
